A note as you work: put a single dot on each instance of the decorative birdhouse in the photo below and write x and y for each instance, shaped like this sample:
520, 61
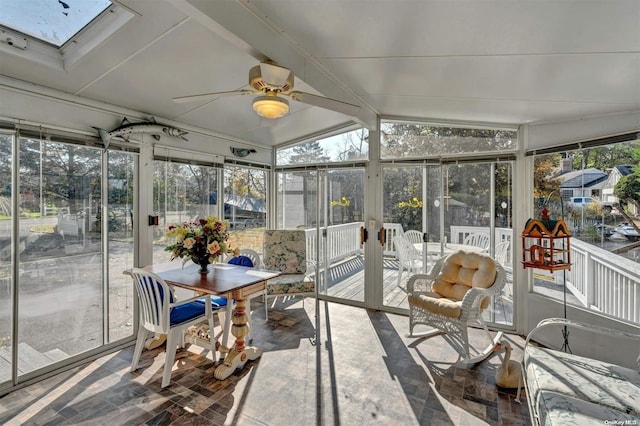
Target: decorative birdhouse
545, 244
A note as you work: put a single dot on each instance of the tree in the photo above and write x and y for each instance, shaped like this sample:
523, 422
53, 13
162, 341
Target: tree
608, 156
355, 146
628, 188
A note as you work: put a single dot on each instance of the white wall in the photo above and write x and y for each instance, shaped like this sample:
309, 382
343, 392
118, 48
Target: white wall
545, 135
57, 110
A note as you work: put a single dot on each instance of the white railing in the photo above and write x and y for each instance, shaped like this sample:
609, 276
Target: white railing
605, 282
600, 280
391, 230
342, 241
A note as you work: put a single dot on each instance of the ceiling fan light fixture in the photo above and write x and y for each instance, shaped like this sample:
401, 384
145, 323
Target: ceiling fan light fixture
270, 106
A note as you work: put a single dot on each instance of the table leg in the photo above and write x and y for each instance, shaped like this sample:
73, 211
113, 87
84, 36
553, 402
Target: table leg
240, 354
155, 341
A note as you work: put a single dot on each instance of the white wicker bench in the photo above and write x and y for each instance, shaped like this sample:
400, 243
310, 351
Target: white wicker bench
569, 389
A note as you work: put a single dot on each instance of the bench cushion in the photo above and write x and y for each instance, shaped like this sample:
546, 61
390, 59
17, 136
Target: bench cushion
557, 409
588, 379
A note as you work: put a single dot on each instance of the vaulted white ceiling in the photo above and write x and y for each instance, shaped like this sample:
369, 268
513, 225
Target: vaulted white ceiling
504, 61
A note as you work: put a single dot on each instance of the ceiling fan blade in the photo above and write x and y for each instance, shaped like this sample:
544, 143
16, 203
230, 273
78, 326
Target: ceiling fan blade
275, 75
211, 96
327, 103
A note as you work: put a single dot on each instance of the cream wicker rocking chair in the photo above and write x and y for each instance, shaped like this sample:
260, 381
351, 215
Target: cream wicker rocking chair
454, 295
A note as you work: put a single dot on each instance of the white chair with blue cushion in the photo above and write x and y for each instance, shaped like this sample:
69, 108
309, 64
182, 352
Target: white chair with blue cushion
286, 251
161, 313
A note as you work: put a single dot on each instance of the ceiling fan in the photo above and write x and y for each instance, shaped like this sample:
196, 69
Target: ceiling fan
271, 83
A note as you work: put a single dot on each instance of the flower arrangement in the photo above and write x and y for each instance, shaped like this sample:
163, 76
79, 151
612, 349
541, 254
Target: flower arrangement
204, 241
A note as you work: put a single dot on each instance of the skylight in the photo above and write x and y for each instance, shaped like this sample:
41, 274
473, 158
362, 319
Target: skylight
52, 21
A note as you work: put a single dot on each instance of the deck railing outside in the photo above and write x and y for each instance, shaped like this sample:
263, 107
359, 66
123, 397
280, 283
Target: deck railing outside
605, 282
600, 280
344, 241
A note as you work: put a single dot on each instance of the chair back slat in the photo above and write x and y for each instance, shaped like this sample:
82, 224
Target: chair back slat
406, 251
478, 239
253, 255
154, 297
414, 236
501, 252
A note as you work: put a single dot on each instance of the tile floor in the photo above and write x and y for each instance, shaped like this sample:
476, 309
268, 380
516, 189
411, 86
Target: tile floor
362, 370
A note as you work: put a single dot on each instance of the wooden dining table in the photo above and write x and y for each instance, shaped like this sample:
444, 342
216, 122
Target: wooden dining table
232, 281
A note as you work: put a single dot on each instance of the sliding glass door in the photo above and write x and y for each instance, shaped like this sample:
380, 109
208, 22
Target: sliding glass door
60, 295
329, 205
342, 252
6, 270
477, 217
67, 229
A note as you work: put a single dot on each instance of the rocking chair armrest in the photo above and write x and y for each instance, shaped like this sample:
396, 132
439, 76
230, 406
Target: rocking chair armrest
475, 295
419, 283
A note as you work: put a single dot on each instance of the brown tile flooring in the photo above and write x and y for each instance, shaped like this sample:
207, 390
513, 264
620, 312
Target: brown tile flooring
363, 371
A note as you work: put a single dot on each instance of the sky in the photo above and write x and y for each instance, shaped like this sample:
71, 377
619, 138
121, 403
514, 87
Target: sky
54, 21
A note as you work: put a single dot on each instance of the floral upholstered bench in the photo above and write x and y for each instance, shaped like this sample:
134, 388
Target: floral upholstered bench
568, 389
286, 251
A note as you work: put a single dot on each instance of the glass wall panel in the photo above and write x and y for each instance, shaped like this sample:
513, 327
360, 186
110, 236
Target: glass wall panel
411, 212
350, 146
505, 240
342, 257
181, 192
6, 272
296, 197
245, 206
121, 244
60, 286
595, 191
415, 140
467, 201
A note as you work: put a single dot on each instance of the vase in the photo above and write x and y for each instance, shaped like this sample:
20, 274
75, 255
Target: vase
204, 266
204, 269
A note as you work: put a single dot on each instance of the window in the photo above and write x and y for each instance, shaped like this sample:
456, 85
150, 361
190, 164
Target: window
245, 206
54, 22
345, 147
416, 140
181, 192
68, 29
585, 187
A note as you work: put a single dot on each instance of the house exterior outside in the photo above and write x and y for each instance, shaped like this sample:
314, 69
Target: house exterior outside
606, 188
582, 183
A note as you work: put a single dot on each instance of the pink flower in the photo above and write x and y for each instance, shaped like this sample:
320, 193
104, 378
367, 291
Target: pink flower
213, 248
189, 242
